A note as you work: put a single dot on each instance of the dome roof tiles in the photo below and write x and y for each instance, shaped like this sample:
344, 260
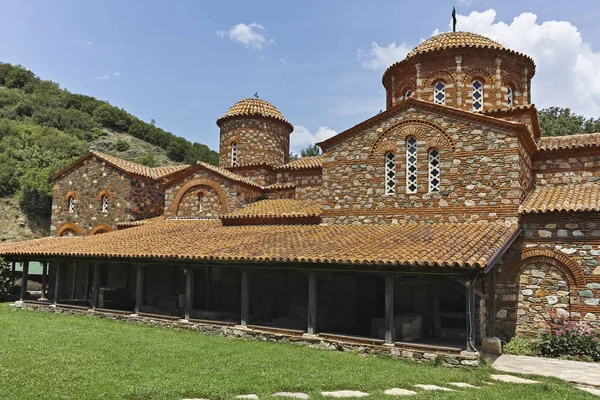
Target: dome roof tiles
254, 107
453, 40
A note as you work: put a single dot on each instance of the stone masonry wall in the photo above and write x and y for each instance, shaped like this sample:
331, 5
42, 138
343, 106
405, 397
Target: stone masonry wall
552, 168
480, 179
308, 183
259, 141
147, 198
200, 201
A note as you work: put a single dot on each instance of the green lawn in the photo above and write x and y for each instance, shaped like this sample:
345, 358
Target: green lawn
49, 356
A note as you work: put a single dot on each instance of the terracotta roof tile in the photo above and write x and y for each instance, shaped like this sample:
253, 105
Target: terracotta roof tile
279, 186
228, 174
304, 163
250, 107
576, 197
129, 224
454, 245
450, 40
277, 208
569, 142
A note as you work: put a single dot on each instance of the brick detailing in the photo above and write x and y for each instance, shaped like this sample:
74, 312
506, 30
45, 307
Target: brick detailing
415, 127
102, 228
198, 183
68, 229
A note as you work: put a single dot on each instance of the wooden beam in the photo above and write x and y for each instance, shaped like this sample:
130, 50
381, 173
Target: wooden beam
389, 309
24, 278
207, 286
312, 303
74, 282
44, 280
470, 313
189, 291
95, 285
57, 283
139, 289
245, 307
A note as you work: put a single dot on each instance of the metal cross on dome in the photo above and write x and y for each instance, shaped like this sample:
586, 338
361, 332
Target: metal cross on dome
453, 19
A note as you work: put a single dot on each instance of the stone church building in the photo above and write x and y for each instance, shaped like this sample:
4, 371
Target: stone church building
443, 220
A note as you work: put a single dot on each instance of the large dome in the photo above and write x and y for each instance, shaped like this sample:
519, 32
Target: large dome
450, 40
254, 107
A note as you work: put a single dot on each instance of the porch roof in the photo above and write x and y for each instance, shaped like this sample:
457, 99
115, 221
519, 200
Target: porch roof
573, 197
467, 245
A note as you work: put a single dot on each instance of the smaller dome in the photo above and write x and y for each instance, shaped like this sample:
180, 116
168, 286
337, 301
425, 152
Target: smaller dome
451, 40
254, 107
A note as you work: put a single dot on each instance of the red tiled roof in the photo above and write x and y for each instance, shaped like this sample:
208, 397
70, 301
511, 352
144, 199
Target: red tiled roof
304, 163
276, 209
228, 174
254, 107
470, 245
575, 197
569, 142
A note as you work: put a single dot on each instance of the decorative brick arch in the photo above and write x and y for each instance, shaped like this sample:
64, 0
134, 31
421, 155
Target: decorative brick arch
406, 85
417, 128
480, 74
104, 192
566, 265
70, 194
68, 226
231, 140
200, 182
102, 228
435, 143
385, 147
511, 80
438, 76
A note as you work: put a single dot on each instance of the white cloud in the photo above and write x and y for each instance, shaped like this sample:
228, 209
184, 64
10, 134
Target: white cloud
283, 61
567, 72
251, 36
465, 2
109, 75
379, 58
302, 136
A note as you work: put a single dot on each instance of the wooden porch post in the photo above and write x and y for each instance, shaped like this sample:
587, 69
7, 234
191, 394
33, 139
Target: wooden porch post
207, 287
74, 283
57, 283
95, 284
492, 297
139, 289
189, 291
389, 309
470, 312
13, 272
24, 278
245, 309
44, 280
312, 303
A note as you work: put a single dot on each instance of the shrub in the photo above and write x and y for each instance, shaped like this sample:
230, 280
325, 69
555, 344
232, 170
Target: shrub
519, 345
122, 145
570, 339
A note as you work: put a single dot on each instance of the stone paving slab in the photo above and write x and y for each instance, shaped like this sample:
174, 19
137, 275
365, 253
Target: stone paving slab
512, 379
247, 396
303, 396
344, 393
434, 387
589, 390
399, 392
463, 385
583, 373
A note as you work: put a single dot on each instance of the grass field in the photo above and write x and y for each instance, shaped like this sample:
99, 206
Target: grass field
49, 356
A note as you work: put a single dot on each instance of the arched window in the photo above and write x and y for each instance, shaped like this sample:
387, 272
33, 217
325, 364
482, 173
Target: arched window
434, 170
390, 173
477, 95
411, 165
439, 93
233, 154
407, 94
71, 204
200, 202
105, 203
510, 97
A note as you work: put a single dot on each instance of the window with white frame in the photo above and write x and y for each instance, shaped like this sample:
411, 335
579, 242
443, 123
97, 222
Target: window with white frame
439, 93
407, 94
411, 165
434, 170
510, 97
200, 203
105, 203
233, 154
71, 203
390, 173
477, 95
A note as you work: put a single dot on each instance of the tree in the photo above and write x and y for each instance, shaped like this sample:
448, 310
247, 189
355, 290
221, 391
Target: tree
122, 145
310, 151
558, 121
4, 278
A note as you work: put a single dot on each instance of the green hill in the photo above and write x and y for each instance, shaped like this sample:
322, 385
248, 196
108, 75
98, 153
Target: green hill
43, 128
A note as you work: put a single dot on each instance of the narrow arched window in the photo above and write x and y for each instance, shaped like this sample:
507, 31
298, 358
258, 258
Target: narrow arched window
407, 94
510, 97
200, 203
105, 203
434, 170
390, 173
439, 93
233, 154
71, 204
411, 165
477, 95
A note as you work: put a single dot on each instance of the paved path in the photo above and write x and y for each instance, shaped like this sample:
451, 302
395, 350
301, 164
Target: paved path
571, 371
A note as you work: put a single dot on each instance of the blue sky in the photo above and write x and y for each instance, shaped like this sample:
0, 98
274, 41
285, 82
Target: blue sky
184, 63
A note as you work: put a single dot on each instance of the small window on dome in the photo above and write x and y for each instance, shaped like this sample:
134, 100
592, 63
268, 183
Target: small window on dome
233, 154
477, 95
105, 204
510, 97
390, 173
71, 204
407, 94
411, 165
439, 93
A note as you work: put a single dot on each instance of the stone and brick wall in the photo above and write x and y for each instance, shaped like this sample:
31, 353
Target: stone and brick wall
552, 168
480, 173
308, 183
263, 175
259, 141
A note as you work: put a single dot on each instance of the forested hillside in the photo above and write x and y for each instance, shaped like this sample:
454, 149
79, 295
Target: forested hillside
43, 128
